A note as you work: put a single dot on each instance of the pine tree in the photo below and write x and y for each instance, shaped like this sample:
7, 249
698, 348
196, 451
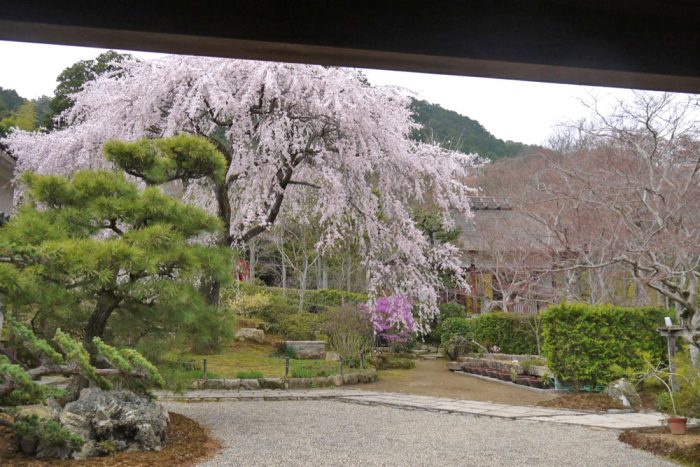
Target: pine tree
85, 248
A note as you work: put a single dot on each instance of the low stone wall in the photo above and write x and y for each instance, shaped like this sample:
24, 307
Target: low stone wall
309, 350
502, 364
362, 376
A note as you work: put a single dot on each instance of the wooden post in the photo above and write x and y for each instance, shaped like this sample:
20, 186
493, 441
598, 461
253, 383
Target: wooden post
286, 367
341, 366
206, 376
671, 333
671, 354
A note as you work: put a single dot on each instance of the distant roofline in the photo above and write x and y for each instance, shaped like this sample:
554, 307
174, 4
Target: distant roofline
490, 203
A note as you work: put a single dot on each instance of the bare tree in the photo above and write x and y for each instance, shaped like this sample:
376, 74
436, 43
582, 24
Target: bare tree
629, 195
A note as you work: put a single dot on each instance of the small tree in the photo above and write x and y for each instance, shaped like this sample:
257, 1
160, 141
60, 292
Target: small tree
393, 321
350, 333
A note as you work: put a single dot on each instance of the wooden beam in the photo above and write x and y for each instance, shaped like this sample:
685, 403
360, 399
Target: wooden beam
641, 44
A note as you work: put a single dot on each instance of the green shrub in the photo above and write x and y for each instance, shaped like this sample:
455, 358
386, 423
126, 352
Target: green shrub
663, 403
303, 373
456, 347
688, 396
210, 330
391, 362
249, 305
106, 447
48, 432
250, 374
179, 378
350, 331
286, 351
511, 332
277, 309
301, 326
452, 310
320, 299
592, 344
454, 327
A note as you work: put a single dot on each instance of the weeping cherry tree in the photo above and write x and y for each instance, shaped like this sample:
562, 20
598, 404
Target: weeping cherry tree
287, 132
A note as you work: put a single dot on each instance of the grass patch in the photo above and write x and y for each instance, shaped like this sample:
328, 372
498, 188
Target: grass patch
303, 373
179, 379
254, 357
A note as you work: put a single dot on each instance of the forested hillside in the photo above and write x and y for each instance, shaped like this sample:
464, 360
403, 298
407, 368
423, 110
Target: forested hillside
455, 131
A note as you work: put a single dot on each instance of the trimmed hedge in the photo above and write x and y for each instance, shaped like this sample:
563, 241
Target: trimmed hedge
592, 344
511, 332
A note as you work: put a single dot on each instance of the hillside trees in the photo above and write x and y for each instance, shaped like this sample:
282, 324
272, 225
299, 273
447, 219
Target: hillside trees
455, 131
285, 131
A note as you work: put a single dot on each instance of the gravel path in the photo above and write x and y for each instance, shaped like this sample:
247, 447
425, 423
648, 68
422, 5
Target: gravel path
336, 433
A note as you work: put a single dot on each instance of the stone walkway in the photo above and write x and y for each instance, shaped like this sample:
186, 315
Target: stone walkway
616, 421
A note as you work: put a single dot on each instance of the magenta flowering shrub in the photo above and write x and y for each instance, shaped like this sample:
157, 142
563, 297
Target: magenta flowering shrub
393, 319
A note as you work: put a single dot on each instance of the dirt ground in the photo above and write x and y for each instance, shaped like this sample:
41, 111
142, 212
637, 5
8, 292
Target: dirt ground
188, 443
583, 401
681, 448
432, 378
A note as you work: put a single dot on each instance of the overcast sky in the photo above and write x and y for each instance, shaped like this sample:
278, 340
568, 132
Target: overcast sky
515, 110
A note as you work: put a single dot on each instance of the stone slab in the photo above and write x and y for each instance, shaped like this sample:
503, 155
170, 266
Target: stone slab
612, 421
616, 421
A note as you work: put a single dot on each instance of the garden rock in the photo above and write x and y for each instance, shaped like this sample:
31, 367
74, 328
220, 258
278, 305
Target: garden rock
119, 418
624, 392
250, 384
251, 334
214, 384
41, 411
299, 383
271, 383
309, 350
351, 378
337, 380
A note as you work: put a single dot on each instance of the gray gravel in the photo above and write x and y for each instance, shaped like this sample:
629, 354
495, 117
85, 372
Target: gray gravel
312, 433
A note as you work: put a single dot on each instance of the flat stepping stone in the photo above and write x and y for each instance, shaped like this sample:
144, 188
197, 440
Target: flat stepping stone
616, 421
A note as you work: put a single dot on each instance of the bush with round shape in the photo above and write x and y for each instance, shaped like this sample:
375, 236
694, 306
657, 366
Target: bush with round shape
455, 327
457, 346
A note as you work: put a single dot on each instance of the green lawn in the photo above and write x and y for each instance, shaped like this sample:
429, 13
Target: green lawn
254, 358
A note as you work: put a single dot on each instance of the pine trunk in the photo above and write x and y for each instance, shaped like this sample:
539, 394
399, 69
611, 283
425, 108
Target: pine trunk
97, 323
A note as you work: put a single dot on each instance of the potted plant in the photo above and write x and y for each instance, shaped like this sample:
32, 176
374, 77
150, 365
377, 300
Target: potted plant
677, 424
513, 375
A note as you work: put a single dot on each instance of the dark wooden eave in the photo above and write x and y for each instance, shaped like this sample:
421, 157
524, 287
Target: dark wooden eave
641, 44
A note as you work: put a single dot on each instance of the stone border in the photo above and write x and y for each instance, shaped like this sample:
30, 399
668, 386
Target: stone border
236, 384
509, 383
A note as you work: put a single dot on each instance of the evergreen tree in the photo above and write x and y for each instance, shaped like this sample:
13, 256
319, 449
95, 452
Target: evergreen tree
85, 248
